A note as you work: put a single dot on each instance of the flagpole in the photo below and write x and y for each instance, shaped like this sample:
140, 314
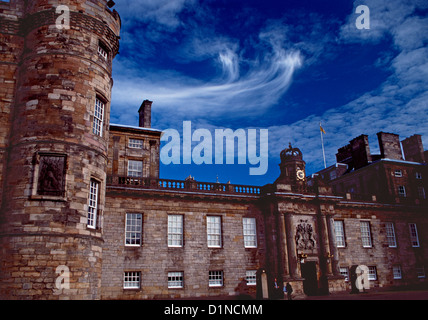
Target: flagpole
322, 143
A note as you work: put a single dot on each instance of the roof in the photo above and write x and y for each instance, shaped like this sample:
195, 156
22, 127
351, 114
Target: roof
135, 128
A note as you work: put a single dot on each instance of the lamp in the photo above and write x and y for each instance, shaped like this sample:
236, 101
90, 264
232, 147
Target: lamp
302, 257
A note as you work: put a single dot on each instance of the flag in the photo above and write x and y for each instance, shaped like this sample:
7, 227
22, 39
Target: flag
321, 129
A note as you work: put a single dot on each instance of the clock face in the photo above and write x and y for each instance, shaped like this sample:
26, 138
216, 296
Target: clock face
300, 174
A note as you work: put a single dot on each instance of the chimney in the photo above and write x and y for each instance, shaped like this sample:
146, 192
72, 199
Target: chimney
389, 145
145, 114
360, 150
413, 148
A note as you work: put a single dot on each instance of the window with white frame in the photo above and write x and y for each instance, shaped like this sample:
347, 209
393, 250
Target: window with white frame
131, 279
102, 50
418, 175
215, 278
135, 168
98, 117
250, 233
420, 272
366, 234
251, 277
175, 230
340, 233
390, 235
396, 272
176, 280
344, 271
414, 239
372, 273
398, 173
214, 231
402, 191
421, 193
135, 143
133, 229
93, 203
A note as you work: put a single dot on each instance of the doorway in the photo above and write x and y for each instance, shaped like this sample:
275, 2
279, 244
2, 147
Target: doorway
309, 274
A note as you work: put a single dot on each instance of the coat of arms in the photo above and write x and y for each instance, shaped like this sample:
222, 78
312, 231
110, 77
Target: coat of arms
304, 236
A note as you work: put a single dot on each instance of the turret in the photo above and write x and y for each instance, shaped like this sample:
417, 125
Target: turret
55, 170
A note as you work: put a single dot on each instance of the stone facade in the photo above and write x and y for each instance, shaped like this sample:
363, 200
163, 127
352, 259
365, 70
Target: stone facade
55, 79
85, 214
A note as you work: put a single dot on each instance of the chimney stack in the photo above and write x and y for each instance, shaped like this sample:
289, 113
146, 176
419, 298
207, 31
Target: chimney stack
413, 148
145, 114
389, 145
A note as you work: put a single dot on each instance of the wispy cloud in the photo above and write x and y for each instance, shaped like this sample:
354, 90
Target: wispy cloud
398, 105
239, 87
248, 77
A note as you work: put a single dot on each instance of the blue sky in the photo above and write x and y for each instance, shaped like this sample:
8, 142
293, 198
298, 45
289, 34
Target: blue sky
277, 65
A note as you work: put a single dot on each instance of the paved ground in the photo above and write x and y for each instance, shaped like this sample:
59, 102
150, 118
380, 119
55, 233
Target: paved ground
381, 295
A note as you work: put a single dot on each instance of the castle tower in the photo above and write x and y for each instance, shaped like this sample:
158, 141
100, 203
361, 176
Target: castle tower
55, 148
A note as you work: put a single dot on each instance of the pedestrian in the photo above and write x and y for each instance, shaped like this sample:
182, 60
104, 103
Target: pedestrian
276, 289
289, 290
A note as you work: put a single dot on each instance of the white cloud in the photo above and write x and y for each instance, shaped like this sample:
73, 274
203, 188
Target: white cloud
246, 87
164, 12
399, 105
188, 98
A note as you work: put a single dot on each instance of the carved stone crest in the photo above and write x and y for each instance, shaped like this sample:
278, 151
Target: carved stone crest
304, 236
51, 175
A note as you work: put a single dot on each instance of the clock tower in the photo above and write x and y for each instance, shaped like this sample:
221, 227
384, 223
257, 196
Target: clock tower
293, 176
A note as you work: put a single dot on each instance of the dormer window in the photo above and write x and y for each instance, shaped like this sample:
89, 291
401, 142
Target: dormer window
398, 173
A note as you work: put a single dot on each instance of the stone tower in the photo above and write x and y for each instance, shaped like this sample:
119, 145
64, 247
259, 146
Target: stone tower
293, 175
56, 64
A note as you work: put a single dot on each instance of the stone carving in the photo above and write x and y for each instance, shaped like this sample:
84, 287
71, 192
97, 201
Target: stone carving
51, 175
304, 236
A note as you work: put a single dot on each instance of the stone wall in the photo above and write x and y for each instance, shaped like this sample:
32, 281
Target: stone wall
53, 152
154, 259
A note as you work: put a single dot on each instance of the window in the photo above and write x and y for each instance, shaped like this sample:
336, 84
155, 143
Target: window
251, 277
418, 175
372, 273
135, 143
365, 234
421, 192
175, 230
214, 231
402, 191
414, 239
398, 173
133, 229
175, 280
93, 204
98, 117
390, 235
420, 272
340, 233
344, 271
396, 271
250, 234
131, 280
102, 50
215, 279
135, 168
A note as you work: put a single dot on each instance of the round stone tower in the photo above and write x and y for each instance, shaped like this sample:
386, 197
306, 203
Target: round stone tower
54, 176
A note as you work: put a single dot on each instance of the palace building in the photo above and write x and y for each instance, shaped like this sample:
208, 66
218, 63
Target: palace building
86, 215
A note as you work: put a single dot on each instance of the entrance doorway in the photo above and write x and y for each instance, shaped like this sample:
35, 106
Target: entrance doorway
309, 273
